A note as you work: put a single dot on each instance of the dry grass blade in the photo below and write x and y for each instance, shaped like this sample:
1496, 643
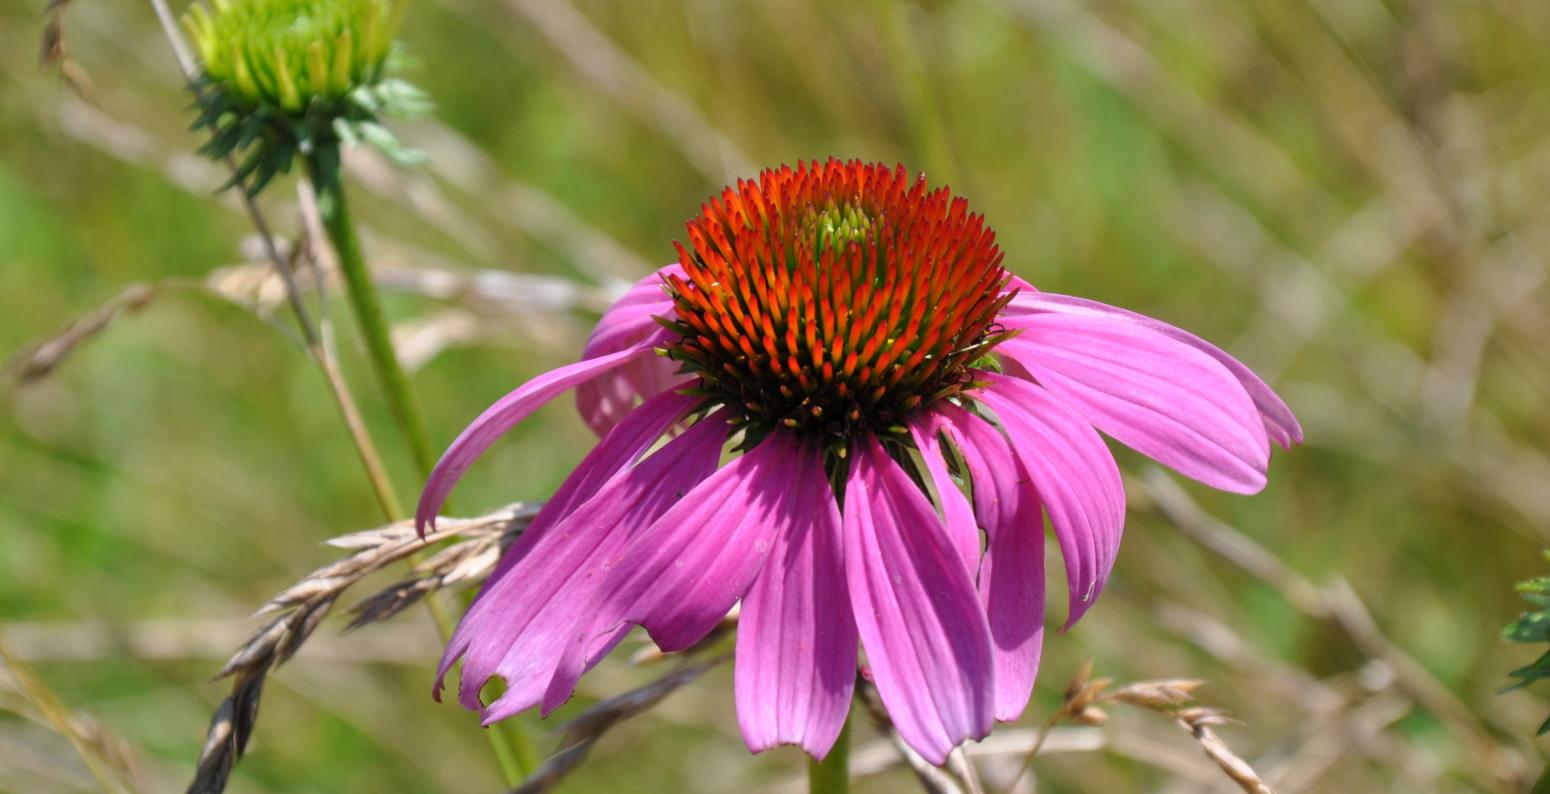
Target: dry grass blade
1166, 697
307, 602
44, 357
41, 359
581, 733
1157, 694
933, 779
230, 728
107, 757
1198, 723
379, 547
1341, 604
1085, 695
461, 563
53, 52
598, 59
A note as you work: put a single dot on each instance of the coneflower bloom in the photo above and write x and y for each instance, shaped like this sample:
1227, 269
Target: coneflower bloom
885, 392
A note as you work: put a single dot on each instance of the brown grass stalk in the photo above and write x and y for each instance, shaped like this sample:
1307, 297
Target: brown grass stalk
580, 734
1086, 697
108, 758
303, 605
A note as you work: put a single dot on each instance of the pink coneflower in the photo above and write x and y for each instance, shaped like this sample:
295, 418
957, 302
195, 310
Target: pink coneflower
851, 338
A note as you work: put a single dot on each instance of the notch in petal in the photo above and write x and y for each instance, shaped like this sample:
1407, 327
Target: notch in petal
520, 626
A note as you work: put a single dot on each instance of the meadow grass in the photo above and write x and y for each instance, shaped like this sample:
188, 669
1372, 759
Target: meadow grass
1350, 197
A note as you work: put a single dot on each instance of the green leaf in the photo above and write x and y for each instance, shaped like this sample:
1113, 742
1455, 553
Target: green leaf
1532, 627
346, 132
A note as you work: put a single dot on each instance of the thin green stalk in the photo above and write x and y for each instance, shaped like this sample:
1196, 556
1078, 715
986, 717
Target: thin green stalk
376, 473
513, 752
334, 210
832, 774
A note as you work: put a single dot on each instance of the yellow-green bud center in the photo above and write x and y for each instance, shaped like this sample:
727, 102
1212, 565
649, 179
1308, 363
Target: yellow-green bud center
289, 52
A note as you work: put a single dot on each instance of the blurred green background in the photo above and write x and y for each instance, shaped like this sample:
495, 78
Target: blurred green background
1350, 196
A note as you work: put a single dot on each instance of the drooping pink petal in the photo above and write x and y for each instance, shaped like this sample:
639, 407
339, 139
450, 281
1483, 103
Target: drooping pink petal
1278, 420
1075, 475
629, 321
620, 448
520, 626
1151, 392
1011, 581
795, 667
957, 515
505, 414
920, 621
684, 573
1012, 589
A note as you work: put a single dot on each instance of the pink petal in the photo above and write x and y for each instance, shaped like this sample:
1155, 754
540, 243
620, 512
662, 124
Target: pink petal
1153, 393
505, 414
924, 632
1278, 420
1011, 581
1011, 587
796, 640
684, 573
518, 628
629, 321
957, 515
620, 448
1075, 476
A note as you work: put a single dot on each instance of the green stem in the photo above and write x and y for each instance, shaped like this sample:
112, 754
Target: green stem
513, 752
832, 774
334, 210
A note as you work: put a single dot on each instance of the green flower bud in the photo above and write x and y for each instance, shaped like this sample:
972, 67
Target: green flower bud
288, 53
288, 80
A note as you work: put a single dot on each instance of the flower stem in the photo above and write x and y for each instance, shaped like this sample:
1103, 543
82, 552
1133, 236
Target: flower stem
832, 774
513, 752
360, 437
334, 210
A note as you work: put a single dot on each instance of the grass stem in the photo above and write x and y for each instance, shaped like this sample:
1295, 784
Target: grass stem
513, 752
53, 711
334, 210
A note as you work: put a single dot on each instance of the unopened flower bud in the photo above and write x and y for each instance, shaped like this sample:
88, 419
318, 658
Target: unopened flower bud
288, 53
